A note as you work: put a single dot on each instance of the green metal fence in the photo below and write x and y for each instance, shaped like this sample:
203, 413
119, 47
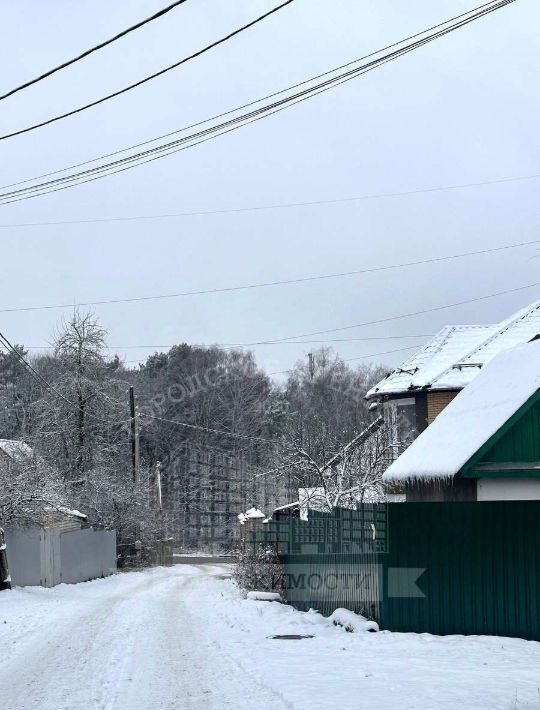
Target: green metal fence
442, 568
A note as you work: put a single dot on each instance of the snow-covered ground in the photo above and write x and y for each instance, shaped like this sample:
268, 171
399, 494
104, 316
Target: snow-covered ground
184, 637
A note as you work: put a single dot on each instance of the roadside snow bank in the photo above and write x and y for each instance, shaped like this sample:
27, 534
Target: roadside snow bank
363, 671
264, 596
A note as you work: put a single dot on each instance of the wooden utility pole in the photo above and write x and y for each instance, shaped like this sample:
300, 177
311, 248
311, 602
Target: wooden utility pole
311, 365
134, 436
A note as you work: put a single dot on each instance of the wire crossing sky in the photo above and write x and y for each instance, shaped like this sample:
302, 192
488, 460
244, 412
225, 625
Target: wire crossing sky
146, 79
448, 132
90, 51
221, 128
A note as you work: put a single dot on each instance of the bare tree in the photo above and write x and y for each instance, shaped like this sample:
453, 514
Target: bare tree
29, 490
82, 428
351, 475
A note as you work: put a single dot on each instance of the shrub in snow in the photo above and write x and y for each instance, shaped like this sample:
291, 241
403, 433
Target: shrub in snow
352, 622
258, 569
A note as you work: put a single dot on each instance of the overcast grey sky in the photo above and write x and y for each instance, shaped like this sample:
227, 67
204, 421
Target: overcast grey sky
462, 109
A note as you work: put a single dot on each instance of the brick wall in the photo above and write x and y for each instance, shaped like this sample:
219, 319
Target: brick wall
436, 402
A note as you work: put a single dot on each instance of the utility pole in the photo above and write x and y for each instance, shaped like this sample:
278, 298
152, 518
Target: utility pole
311, 365
134, 436
158, 486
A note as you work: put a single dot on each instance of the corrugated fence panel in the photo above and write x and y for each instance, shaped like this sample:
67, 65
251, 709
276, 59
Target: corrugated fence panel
481, 563
442, 568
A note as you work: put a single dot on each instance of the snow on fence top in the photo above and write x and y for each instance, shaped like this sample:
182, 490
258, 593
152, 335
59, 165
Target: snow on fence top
472, 418
455, 356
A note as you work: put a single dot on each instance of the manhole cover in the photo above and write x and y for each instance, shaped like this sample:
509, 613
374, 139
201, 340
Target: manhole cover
292, 637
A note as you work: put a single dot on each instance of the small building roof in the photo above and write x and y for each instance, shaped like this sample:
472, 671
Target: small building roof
472, 418
254, 514
455, 356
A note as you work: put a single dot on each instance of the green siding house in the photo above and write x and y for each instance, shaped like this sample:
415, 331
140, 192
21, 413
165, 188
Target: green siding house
485, 445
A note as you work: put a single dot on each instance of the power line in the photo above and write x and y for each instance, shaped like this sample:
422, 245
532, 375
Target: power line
243, 106
148, 78
386, 352
242, 120
239, 345
407, 315
9, 347
36, 375
222, 432
210, 430
87, 52
267, 284
281, 205
270, 374
350, 359
288, 342
358, 357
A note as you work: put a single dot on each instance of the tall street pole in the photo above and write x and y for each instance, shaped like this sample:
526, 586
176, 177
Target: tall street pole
134, 436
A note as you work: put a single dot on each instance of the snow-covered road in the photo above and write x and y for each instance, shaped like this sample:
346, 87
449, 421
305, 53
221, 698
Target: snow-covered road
185, 638
125, 643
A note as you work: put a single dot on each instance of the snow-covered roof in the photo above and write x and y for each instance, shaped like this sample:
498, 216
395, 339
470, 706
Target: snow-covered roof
254, 514
71, 513
455, 356
288, 506
471, 418
16, 450
251, 514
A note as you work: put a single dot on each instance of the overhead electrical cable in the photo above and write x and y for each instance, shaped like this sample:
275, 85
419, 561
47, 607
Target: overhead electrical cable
222, 432
87, 52
385, 352
276, 206
36, 375
267, 284
239, 108
223, 128
402, 316
350, 359
394, 317
11, 349
239, 345
246, 105
210, 430
136, 84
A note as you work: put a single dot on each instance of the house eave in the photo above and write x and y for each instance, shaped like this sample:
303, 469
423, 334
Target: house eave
510, 469
415, 478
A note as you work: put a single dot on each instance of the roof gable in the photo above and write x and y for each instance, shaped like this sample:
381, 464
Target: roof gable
477, 418
514, 445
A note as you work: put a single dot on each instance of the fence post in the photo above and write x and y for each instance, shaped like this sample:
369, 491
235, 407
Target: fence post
5, 582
